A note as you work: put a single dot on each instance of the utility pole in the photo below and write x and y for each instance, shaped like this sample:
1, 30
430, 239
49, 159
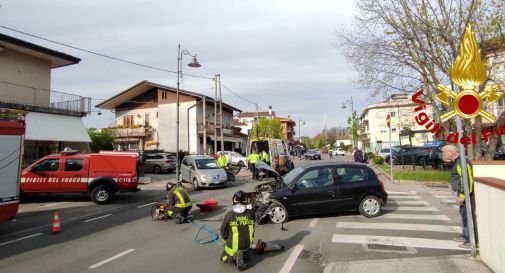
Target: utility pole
256, 119
215, 113
204, 120
220, 113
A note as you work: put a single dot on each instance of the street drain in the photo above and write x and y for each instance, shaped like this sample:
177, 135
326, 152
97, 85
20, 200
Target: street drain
311, 256
386, 247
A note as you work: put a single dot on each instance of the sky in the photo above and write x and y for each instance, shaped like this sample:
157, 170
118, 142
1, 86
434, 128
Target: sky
278, 53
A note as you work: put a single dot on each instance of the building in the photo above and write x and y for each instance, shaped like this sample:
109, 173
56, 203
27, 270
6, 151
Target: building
289, 128
245, 122
145, 119
374, 133
495, 58
53, 119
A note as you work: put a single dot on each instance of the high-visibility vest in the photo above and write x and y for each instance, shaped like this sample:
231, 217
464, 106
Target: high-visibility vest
253, 158
470, 179
183, 196
265, 157
222, 161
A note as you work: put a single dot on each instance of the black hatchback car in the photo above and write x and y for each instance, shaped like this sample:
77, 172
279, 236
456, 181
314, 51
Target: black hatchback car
327, 188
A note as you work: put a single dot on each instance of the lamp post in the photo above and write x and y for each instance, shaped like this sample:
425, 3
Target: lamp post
344, 106
300, 128
193, 63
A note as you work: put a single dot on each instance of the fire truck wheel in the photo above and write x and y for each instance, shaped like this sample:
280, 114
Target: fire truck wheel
101, 194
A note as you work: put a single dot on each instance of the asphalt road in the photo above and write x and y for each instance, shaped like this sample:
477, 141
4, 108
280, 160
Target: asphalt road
120, 237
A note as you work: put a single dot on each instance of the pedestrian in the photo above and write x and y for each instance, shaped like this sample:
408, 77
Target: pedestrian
358, 155
237, 231
179, 202
252, 159
450, 152
365, 156
141, 161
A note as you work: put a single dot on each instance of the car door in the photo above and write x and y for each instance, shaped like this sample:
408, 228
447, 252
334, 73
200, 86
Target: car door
73, 177
41, 176
352, 184
185, 170
312, 193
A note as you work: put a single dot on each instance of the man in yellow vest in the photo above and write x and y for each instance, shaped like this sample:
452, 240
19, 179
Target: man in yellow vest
222, 160
252, 159
179, 202
265, 157
450, 152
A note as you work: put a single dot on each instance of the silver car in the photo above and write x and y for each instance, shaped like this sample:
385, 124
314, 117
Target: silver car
158, 163
202, 171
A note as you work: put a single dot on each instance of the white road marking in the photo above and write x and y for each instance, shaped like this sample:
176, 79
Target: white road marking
393, 197
145, 205
19, 239
402, 192
398, 226
313, 223
395, 241
410, 208
111, 259
96, 218
415, 216
53, 204
291, 259
410, 202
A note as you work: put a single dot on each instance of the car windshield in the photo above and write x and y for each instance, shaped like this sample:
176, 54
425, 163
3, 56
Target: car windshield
204, 164
289, 177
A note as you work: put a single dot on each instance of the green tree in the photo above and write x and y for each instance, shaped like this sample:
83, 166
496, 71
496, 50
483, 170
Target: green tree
320, 143
353, 128
100, 139
268, 128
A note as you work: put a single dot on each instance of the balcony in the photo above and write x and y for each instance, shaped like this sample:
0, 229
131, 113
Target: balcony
131, 132
227, 130
27, 98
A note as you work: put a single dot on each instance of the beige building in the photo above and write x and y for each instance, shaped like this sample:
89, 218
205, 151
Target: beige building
245, 122
54, 119
145, 119
374, 133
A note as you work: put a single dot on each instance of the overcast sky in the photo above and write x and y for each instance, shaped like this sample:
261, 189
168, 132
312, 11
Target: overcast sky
279, 53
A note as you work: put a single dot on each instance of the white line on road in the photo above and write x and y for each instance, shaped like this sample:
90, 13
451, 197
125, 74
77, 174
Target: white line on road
145, 205
410, 202
19, 239
398, 226
415, 216
313, 223
402, 192
393, 197
111, 259
96, 218
53, 204
395, 241
410, 208
291, 259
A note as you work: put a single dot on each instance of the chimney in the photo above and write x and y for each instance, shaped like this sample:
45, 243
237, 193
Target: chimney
270, 110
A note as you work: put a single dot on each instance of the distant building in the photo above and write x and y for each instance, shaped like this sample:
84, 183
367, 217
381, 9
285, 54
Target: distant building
245, 122
146, 119
374, 133
494, 56
289, 128
54, 119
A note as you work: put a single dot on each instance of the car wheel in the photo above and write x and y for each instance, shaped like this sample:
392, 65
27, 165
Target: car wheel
157, 169
241, 163
370, 206
278, 213
195, 184
101, 194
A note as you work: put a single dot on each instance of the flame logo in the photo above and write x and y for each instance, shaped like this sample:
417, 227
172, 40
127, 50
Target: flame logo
468, 72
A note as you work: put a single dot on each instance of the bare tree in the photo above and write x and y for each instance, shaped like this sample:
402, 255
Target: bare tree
401, 45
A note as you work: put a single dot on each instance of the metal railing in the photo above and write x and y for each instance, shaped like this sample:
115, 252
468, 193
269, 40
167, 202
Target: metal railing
43, 99
131, 132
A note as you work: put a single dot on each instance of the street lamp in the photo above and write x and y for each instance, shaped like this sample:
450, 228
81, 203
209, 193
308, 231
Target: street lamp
300, 128
344, 106
193, 63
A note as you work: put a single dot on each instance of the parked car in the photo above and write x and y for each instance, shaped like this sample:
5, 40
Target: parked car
235, 158
202, 171
158, 163
326, 188
384, 153
313, 154
410, 155
338, 152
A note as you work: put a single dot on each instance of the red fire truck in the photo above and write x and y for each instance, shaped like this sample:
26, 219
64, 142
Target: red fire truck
11, 149
99, 174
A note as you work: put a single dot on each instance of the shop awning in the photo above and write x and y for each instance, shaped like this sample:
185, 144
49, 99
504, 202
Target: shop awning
226, 138
50, 127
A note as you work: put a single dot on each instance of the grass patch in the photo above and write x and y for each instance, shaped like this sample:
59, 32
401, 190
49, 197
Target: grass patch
418, 175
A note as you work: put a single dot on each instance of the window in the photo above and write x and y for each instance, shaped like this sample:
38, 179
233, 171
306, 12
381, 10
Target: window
384, 129
351, 175
319, 177
164, 95
205, 164
49, 165
128, 120
393, 130
147, 119
392, 114
185, 161
73, 165
405, 111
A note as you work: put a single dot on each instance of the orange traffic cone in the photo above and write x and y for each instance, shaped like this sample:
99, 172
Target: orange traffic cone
56, 222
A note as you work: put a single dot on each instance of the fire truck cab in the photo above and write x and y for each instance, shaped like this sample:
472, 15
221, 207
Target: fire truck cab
99, 174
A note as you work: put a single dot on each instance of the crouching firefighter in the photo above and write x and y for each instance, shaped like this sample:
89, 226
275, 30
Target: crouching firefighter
237, 231
179, 202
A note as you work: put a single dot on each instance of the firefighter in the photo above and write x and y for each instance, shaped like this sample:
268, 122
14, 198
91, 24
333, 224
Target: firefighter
265, 157
179, 202
253, 158
237, 231
222, 160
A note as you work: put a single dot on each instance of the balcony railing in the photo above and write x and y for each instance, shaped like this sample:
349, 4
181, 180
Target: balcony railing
227, 130
34, 99
131, 132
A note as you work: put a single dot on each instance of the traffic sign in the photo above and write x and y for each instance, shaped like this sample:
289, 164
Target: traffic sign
388, 120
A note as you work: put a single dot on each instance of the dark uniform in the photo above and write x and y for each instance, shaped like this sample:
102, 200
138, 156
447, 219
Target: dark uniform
179, 204
457, 186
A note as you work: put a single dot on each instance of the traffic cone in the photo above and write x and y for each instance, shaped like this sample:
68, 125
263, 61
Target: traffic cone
56, 222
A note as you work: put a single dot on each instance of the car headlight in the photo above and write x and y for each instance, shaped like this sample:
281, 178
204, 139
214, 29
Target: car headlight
205, 177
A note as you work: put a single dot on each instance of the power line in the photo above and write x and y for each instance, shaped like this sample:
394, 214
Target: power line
103, 55
231, 91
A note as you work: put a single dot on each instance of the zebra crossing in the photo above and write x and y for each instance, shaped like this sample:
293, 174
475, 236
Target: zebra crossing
411, 221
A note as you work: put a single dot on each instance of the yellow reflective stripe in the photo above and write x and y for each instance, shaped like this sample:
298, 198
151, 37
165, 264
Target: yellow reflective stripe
234, 242
169, 212
470, 178
251, 232
182, 204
